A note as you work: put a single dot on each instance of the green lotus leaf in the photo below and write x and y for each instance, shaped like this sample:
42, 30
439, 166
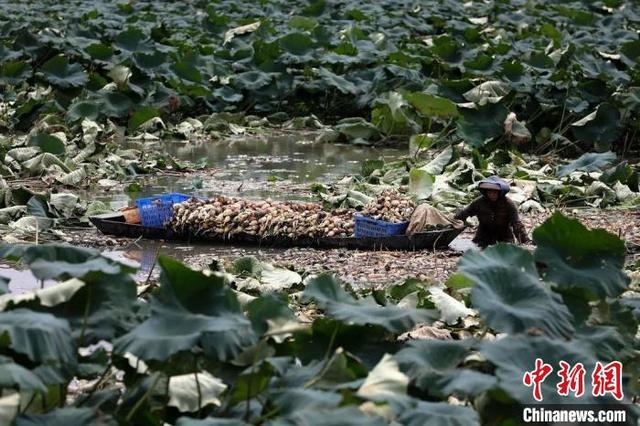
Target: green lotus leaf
14, 72
431, 105
141, 116
630, 51
478, 126
133, 40
253, 80
150, 63
42, 337
303, 23
15, 376
298, 44
589, 162
426, 361
437, 414
115, 104
392, 115
465, 382
47, 143
227, 94
602, 126
62, 261
84, 109
580, 258
59, 72
342, 416
186, 70
326, 291
99, 51
513, 356
358, 129
293, 400
65, 417
509, 295
339, 82
190, 310
209, 421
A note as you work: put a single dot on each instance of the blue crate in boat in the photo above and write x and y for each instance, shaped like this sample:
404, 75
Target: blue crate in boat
157, 210
368, 227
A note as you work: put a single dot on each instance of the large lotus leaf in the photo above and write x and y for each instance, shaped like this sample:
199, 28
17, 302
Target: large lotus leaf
513, 356
14, 72
141, 116
133, 40
479, 125
47, 143
437, 414
15, 376
253, 80
358, 129
431, 105
508, 292
601, 126
589, 162
338, 82
188, 393
420, 183
209, 421
576, 257
42, 337
488, 92
84, 109
392, 115
59, 72
55, 261
298, 44
426, 361
291, 400
190, 310
330, 296
101, 309
343, 416
465, 382
66, 417
116, 104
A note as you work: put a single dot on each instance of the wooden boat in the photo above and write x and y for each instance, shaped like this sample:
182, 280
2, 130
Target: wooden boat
114, 224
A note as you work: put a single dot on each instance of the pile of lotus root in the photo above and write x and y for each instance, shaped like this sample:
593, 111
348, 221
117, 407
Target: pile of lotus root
226, 216
390, 207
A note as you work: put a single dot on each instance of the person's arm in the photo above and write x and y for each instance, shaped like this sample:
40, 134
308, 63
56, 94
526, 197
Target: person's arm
470, 210
518, 227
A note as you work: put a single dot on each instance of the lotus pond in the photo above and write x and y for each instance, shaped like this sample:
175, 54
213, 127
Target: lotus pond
103, 102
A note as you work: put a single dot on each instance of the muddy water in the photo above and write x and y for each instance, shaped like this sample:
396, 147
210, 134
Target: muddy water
280, 167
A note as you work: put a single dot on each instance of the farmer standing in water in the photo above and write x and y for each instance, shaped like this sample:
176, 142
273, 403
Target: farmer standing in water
496, 213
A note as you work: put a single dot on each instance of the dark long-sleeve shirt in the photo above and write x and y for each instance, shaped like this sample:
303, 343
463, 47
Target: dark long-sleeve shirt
497, 219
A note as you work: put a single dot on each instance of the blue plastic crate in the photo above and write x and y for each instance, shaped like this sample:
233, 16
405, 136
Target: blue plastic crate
369, 227
157, 210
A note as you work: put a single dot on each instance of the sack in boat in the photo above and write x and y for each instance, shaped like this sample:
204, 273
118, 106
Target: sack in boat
424, 215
